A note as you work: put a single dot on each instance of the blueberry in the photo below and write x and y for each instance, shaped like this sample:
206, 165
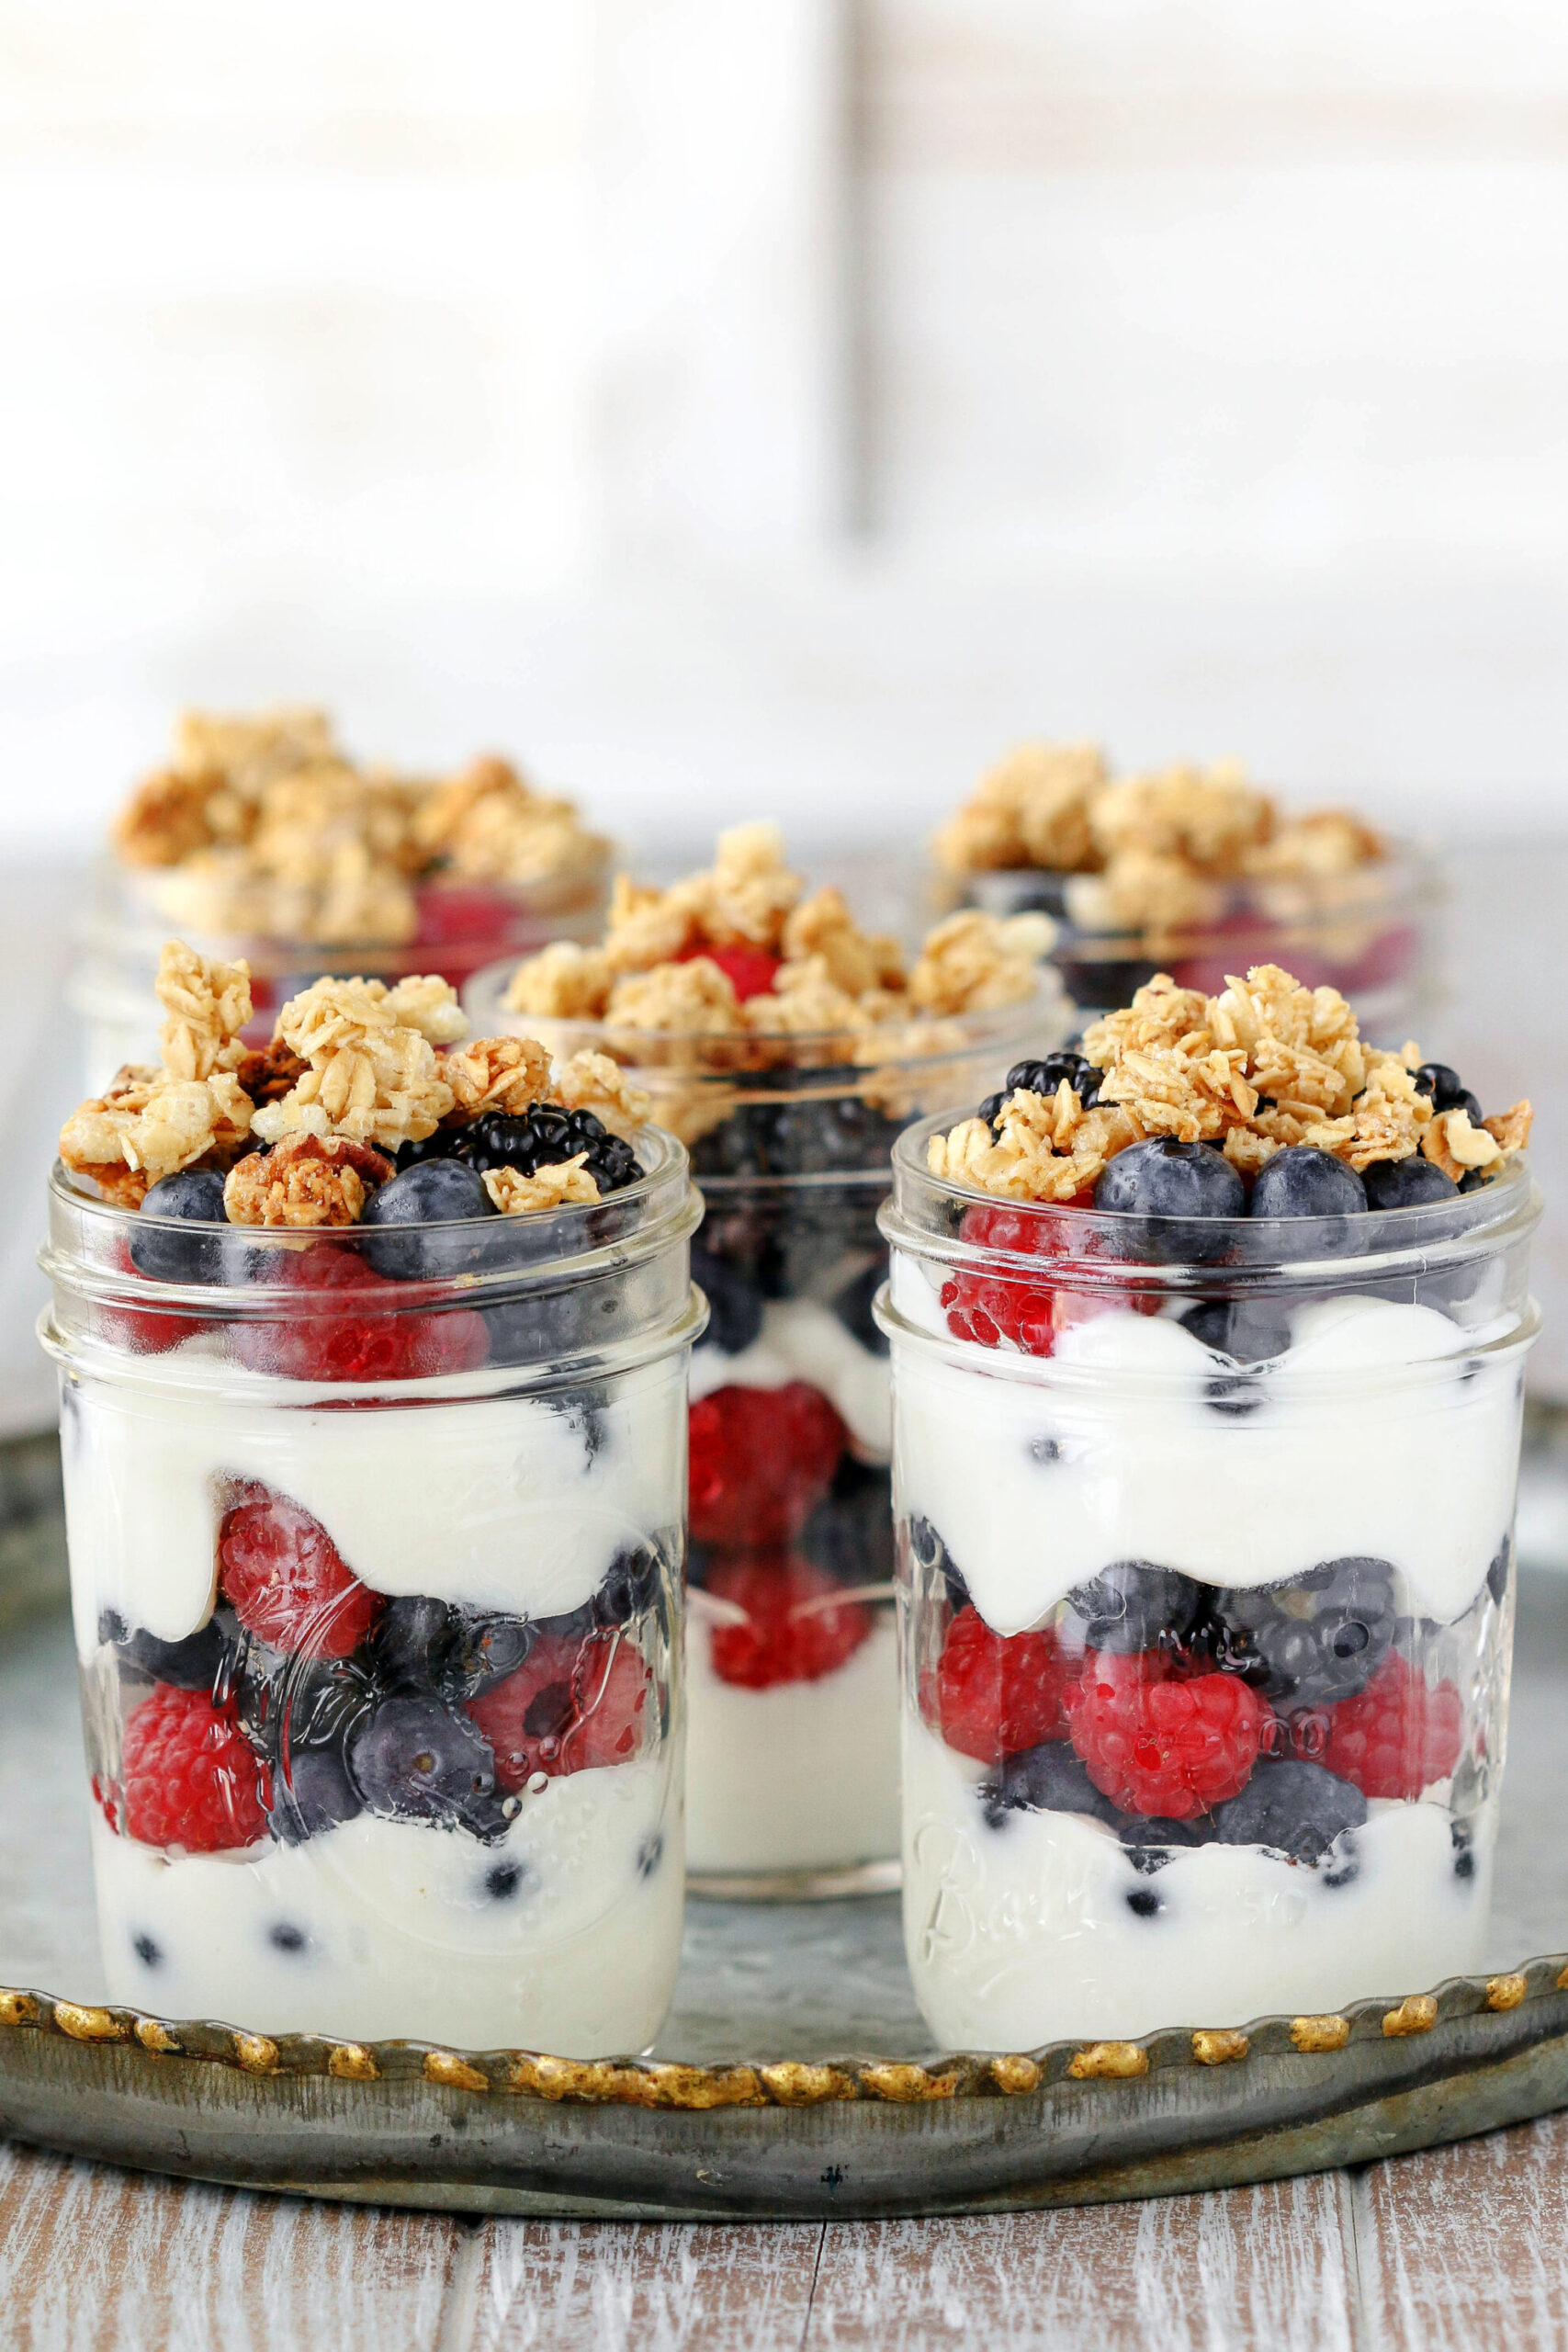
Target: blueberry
649, 1854
410, 1634
1048, 1779
933, 1555
1319, 1638
1294, 1808
1497, 1574
315, 1793
1144, 1902
991, 1109
1406, 1184
481, 1648
504, 1880
283, 1936
1461, 1838
850, 1533
1132, 1605
1447, 1090
1303, 1181
442, 1145
433, 1193
1246, 1331
734, 1304
414, 1759
1151, 1842
1169, 1191
547, 1325
852, 1307
148, 1953
197, 1662
630, 1587
195, 1196
1475, 1180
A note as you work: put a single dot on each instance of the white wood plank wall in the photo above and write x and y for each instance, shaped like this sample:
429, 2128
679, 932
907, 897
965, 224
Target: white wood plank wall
790, 401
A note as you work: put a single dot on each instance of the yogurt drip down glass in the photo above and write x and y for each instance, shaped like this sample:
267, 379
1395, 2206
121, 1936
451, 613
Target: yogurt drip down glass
377, 1540
1205, 1586
791, 1740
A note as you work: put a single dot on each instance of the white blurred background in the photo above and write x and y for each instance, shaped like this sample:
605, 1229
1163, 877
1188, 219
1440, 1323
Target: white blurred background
783, 405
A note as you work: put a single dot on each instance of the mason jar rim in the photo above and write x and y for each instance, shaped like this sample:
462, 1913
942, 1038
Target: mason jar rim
1251, 1253
664, 1192
1411, 871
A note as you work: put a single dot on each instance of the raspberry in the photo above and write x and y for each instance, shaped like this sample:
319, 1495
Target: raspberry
190, 1777
749, 970
761, 1460
998, 1694
284, 1579
1159, 1746
465, 914
991, 1308
1398, 1735
143, 1330
797, 1628
570, 1705
327, 1340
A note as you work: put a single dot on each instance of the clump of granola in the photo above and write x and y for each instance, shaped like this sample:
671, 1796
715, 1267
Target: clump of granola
740, 952
1146, 851
266, 826
1265, 1064
354, 1071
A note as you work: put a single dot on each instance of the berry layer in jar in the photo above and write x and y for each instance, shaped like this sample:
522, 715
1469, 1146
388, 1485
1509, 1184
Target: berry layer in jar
1205, 1449
788, 1048
373, 1448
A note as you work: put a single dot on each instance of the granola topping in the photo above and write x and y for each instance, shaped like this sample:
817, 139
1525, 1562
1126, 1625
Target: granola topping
1153, 850
1265, 1065
661, 970
265, 825
354, 1071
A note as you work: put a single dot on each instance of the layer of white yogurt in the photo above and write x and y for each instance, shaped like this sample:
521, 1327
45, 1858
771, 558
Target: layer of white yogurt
803, 1776
1023, 1935
378, 1930
801, 1340
1371, 1436
499, 1503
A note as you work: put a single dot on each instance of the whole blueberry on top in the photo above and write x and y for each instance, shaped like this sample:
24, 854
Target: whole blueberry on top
1301, 1180
1447, 1090
1170, 1190
1407, 1184
195, 1195
433, 1192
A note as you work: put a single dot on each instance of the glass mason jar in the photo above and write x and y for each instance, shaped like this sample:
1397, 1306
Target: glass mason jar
376, 1541
1205, 1581
792, 1745
461, 926
1369, 933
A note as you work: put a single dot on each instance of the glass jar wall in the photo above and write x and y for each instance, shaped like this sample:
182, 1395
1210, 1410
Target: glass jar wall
792, 1759
377, 1543
1205, 1576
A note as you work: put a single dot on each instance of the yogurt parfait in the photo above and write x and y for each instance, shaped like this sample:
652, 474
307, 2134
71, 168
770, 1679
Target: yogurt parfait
261, 836
1195, 869
373, 1348
1208, 1355
787, 1047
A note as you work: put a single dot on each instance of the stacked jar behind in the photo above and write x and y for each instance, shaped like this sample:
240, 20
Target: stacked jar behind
792, 1748
376, 1541
1205, 1555
460, 927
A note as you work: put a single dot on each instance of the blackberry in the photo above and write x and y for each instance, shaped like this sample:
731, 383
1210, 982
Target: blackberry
1445, 1090
1130, 1605
442, 1145
1047, 1779
1295, 1809
544, 1135
1318, 1639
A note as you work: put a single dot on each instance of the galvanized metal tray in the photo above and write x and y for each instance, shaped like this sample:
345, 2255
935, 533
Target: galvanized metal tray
794, 2077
